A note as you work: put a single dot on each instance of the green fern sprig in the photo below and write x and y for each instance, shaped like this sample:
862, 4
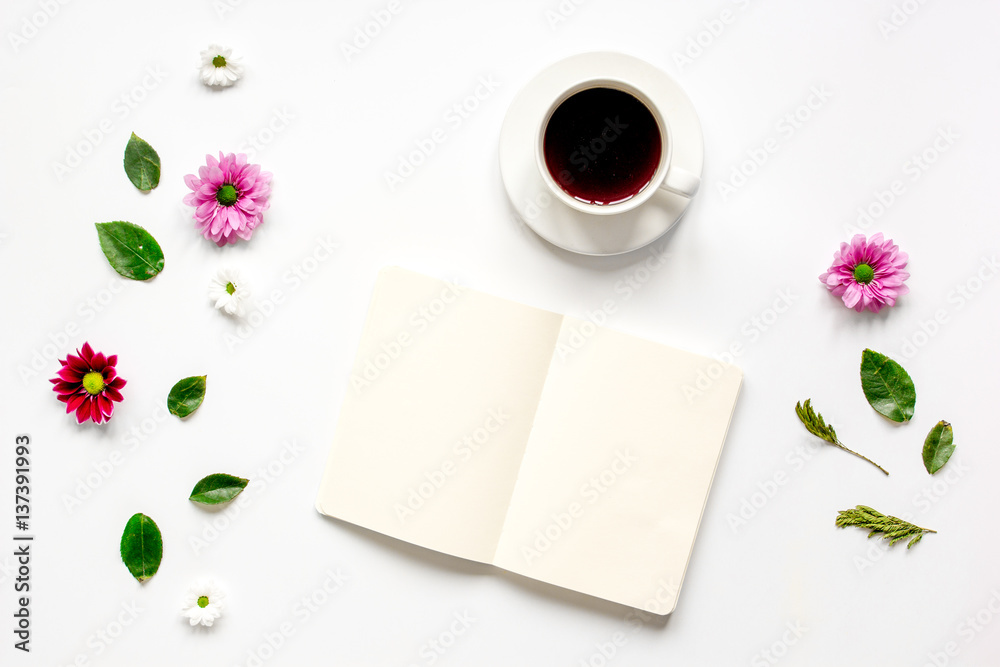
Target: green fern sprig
813, 421
892, 528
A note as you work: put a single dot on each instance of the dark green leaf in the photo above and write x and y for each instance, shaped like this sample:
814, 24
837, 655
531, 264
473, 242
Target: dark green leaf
142, 164
218, 488
186, 396
142, 547
130, 249
887, 386
938, 447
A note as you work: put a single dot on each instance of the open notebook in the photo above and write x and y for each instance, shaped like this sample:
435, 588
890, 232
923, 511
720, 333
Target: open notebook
540, 443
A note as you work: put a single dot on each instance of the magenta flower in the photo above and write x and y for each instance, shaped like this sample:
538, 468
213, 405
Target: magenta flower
230, 197
867, 274
89, 384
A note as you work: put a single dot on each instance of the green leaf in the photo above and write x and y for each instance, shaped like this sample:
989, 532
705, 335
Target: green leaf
217, 489
938, 447
142, 164
891, 528
887, 386
186, 396
130, 249
142, 547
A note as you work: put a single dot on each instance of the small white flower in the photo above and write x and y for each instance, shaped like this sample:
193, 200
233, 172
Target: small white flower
219, 67
203, 603
229, 292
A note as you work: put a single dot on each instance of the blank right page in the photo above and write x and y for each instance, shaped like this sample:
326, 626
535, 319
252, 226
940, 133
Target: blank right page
618, 467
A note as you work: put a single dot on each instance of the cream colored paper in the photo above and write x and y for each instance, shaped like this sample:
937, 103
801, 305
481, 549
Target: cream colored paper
540, 443
433, 427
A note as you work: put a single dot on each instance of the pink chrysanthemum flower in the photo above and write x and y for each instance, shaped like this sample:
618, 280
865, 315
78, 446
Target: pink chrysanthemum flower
89, 384
230, 197
867, 274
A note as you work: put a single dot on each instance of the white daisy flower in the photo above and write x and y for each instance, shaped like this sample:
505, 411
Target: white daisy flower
229, 292
203, 603
219, 67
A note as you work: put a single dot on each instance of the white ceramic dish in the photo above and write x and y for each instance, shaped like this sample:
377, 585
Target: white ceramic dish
562, 225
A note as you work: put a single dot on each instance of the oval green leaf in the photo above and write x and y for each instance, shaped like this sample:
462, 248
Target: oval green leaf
186, 396
887, 386
217, 489
142, 164
130, 249
938, 447
142, 547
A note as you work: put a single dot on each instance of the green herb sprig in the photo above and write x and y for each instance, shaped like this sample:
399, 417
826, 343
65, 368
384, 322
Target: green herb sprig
813, 421
890, 527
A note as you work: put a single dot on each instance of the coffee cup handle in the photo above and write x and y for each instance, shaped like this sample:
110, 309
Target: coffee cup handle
681, 182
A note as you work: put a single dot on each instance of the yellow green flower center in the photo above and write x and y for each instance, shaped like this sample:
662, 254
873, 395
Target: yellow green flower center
219, 61
230, 288
226, 195
93, 382
864, 274
203, 601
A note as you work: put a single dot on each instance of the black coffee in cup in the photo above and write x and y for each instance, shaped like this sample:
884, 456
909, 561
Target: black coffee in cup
602, 146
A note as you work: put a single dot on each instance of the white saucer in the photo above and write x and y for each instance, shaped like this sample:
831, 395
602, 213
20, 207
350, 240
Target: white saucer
553, 220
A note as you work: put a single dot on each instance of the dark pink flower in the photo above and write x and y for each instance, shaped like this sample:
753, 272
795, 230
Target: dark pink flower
229, 196
89, 384
867, 274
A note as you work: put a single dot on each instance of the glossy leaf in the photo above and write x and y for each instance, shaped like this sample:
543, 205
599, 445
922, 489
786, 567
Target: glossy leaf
887, 386
938, 447
217, 489
142, 164
130, 249
186, 396
142, 547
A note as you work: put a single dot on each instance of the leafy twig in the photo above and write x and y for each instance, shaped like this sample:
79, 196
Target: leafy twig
892, 528
814, 423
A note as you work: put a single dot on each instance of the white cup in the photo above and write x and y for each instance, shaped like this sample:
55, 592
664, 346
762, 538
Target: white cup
666, 176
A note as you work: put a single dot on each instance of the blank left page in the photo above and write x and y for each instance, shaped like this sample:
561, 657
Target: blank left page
434, 423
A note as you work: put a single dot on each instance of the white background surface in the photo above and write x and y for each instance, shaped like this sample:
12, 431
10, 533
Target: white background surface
730, 258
